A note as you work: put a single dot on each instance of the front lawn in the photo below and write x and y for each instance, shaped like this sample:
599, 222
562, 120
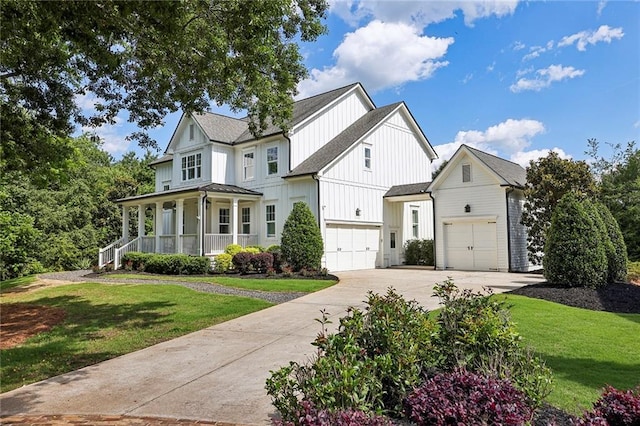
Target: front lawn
585, 349
105, 321
285, 285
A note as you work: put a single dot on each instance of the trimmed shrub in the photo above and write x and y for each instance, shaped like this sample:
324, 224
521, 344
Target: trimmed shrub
418, 252
261, 262
465, 398
276, 252
242, 261
251, 250
308, 415
617, 257
222, 263
574, 254
168, 264
137, 259
301, 242
614, 408
233, 249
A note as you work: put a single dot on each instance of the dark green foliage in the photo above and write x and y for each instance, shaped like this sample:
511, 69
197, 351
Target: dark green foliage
301, 241
19, 243
167, 264
548, 179
418, 252
464, 398
574, 254
616, 250
476, 332
276, 252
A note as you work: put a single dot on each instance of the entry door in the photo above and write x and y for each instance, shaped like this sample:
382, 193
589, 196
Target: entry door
471, 246
394, 240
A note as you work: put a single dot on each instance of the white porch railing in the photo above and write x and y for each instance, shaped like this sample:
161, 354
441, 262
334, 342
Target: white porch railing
107, 255
216, 243
133, 245
189, 244
247, 240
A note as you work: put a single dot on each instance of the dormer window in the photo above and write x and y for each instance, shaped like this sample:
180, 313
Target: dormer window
192, 131
466, 172
191, 167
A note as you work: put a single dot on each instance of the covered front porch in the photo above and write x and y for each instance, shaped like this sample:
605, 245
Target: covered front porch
196, 221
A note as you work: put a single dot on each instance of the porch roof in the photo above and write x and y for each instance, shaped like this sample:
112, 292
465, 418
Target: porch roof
217, 188
408, 189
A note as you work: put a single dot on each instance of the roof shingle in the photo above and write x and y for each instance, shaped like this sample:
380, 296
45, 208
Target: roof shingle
511, 172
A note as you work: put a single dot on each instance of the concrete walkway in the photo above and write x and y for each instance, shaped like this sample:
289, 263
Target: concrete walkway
218, 374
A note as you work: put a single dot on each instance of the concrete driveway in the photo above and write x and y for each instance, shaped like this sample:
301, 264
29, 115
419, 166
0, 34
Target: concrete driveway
218, 374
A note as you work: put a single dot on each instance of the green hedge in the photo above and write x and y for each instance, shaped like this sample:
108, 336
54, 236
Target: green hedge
418, 252
168, 264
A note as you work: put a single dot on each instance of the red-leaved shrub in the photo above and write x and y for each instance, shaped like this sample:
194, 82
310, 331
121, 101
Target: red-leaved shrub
262, 262
242, 261
614, 408
465, 398
311, 416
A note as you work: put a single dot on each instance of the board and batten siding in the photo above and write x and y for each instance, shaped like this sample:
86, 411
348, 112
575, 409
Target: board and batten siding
518, 233
485, 201
164, 175
311, 136
222, 165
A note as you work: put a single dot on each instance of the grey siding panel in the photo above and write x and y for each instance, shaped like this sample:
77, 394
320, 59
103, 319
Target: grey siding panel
517, 233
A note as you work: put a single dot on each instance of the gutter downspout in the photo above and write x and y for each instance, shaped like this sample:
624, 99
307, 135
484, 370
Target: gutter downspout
203, 220
509, 190
433, 204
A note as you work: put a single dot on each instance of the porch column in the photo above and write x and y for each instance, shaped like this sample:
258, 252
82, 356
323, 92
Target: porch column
125, 223
234, 222
141, 220
200, 228
179, 214
158, 225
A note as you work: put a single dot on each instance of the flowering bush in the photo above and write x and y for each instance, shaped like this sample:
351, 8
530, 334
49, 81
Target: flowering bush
465, 398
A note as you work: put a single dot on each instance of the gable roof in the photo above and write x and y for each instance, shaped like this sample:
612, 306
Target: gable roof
220, 128
343, 141
408, 189
508, 172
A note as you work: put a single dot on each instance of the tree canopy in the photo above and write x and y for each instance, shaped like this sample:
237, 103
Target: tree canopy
548, 180
146, 58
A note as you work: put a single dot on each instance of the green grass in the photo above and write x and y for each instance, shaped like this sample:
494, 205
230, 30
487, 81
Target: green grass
16, 282
105, 321
262, 284
586, 350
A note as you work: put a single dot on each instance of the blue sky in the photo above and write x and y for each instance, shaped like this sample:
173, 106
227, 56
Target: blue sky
512, 78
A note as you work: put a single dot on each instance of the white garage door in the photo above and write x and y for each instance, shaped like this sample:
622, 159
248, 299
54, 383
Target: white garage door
471, 246
349, 247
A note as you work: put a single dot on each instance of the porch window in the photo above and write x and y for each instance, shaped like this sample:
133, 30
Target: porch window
466, 172
192, 167
246, 220
272, 160
271, 220
223, 219
248, 165
414, 223
367, 158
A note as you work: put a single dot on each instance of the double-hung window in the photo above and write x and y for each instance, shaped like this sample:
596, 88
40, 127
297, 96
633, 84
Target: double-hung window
367, 157
271, 220
414, 223
272, 160
191, 167
223, 219
246, 220
248, 167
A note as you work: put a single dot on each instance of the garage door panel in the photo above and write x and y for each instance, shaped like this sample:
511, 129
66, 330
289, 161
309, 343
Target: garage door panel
471, 246
351, 247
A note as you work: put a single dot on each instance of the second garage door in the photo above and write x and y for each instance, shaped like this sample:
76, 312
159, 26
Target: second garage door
471, 246
350, 247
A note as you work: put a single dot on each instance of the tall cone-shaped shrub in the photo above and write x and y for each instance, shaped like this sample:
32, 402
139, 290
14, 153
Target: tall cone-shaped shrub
617, 259
574, 254
301, 242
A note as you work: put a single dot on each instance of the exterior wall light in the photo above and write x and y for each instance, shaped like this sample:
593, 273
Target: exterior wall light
467, 208
357, 212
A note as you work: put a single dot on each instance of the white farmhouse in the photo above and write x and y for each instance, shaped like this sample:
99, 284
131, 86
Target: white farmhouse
362, 170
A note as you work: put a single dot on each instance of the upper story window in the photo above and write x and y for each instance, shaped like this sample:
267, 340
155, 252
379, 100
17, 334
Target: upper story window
246, 220
192, 131
192, 167
367, 158
271, 220
466, 172
414, 223
248, 166
272, 160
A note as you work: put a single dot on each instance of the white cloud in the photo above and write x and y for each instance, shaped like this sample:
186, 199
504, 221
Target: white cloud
508, 138
491, 67
545, 77
467, 78
518, 45
524, 157
601, 6
603, 34
380, 55
535, 51
421, 13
